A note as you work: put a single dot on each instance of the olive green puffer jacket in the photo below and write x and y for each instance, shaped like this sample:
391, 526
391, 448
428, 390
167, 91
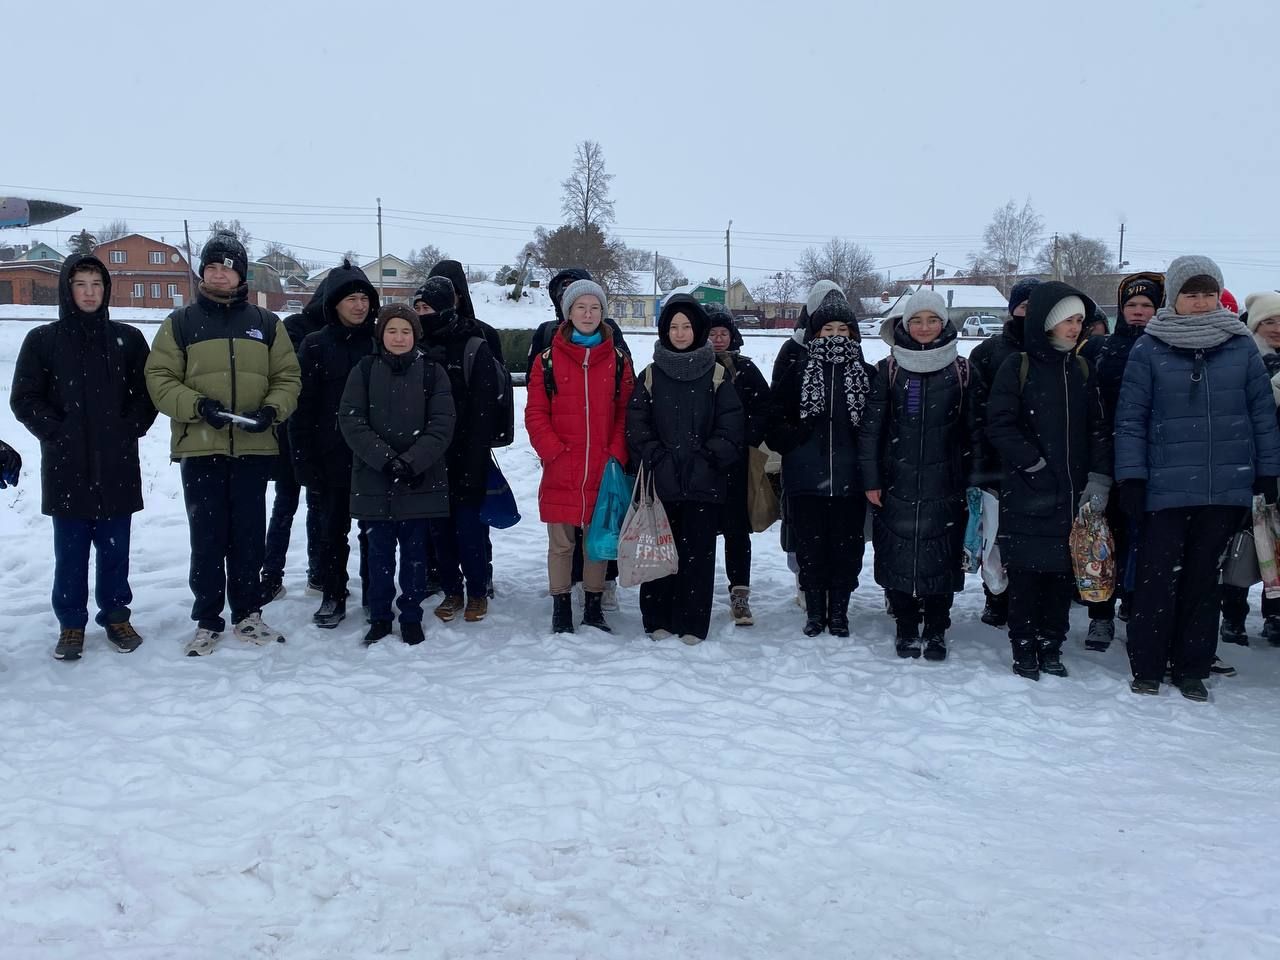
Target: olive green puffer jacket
235, 353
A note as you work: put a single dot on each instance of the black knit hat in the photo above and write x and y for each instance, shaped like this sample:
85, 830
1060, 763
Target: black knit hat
224, 248
437, 293
561, 281
1141, 285
1021, 292
833, 308
397, 311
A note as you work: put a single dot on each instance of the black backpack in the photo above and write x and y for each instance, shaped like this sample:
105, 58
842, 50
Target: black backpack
504, 433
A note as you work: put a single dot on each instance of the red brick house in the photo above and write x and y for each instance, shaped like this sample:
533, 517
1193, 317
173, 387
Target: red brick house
29, 282
146, 272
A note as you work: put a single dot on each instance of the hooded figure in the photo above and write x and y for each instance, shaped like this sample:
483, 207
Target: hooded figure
322, 460
456, 274
397, 417
79, 386
685, 424
818, 410
735, 518
1046, 421
1144, 288
985, 360
542, 337
915, 450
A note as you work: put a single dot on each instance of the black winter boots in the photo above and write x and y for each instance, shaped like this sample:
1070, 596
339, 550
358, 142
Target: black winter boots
592, 613
1051, 658
562, 613
838, 613
815, 612
1026, 658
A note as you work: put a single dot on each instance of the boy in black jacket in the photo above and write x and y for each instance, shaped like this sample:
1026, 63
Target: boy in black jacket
1046, 422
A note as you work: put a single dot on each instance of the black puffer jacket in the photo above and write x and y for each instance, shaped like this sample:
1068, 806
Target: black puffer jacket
476, 405
688, 432
985, 361
1056, 415
398, 407
915, 448
1113, 356
79, 386
456, 273
321, 456
819, 459
299, 326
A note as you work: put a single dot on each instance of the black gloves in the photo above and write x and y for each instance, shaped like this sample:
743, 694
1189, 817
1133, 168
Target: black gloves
1267, 486
398, 470
10, 466
262, 420
212, 412
1131, 495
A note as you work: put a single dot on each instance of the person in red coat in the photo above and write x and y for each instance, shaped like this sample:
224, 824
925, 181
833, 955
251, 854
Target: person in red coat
576, 418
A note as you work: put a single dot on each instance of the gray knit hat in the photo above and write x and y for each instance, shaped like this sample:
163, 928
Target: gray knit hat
583, 288
818, 292
1182, 270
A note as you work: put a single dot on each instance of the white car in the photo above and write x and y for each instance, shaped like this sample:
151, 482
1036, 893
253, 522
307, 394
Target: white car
981, 325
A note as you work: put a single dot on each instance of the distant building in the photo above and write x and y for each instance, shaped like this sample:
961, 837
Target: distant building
42, 251
146, 272
639, 307
29, 283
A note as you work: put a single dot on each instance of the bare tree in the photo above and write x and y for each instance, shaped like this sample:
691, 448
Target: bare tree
1080, 259
232, 226
780, 289
112, 231
585, 201
849, 265
669, 275
1007, 242
421, 262
476, 275
607, 259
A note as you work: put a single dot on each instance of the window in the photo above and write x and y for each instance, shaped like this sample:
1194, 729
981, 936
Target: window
637, 309
139, 291
155, 291
789, 313
117, 256
173, 290
390, 272
156, 256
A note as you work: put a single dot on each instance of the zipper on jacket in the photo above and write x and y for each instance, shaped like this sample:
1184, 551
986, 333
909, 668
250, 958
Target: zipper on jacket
915, 539
231, 427
586, 461
1208, 411
1066, 403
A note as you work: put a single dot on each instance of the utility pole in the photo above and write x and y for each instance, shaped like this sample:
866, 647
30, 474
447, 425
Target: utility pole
655, 273
1120, 262
1057, 261
727, 270
382, 293
933, 270
191, 264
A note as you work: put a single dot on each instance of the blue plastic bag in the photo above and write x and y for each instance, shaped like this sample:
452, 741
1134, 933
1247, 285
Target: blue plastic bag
499, 509
610, 510
973, 532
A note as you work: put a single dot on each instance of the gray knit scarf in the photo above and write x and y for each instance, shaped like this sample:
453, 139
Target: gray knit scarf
684, 365
1202, 331
845, 356
929, 360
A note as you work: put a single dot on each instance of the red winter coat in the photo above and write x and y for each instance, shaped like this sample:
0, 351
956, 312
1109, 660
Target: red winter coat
577, 429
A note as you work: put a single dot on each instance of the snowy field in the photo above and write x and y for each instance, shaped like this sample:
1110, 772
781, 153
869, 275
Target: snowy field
501, 791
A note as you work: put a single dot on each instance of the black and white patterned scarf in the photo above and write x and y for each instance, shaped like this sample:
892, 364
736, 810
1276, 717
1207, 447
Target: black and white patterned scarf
845, 355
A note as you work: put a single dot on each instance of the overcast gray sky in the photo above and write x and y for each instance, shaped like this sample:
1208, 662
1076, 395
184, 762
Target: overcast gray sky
899, 125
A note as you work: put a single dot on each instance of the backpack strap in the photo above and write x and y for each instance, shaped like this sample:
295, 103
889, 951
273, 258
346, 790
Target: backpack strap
548, 376
619, 363
717, 378
1024, 368
469, 357
891, 366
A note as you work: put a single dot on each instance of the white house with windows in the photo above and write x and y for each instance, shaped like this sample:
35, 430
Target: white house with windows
638, 305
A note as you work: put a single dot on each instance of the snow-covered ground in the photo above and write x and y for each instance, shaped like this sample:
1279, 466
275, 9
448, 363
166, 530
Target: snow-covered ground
503, 791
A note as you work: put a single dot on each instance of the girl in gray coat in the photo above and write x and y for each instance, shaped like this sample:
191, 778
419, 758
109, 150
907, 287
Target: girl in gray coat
397, 417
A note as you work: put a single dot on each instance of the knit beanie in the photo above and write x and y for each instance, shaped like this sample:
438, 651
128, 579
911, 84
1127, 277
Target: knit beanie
1182, 270
398, 311
224, 248
922, 301
583, 288
437, 293
719, 315
1141, 287
818, 292
831, 307
1021, 293
1261, 306
1065, 308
